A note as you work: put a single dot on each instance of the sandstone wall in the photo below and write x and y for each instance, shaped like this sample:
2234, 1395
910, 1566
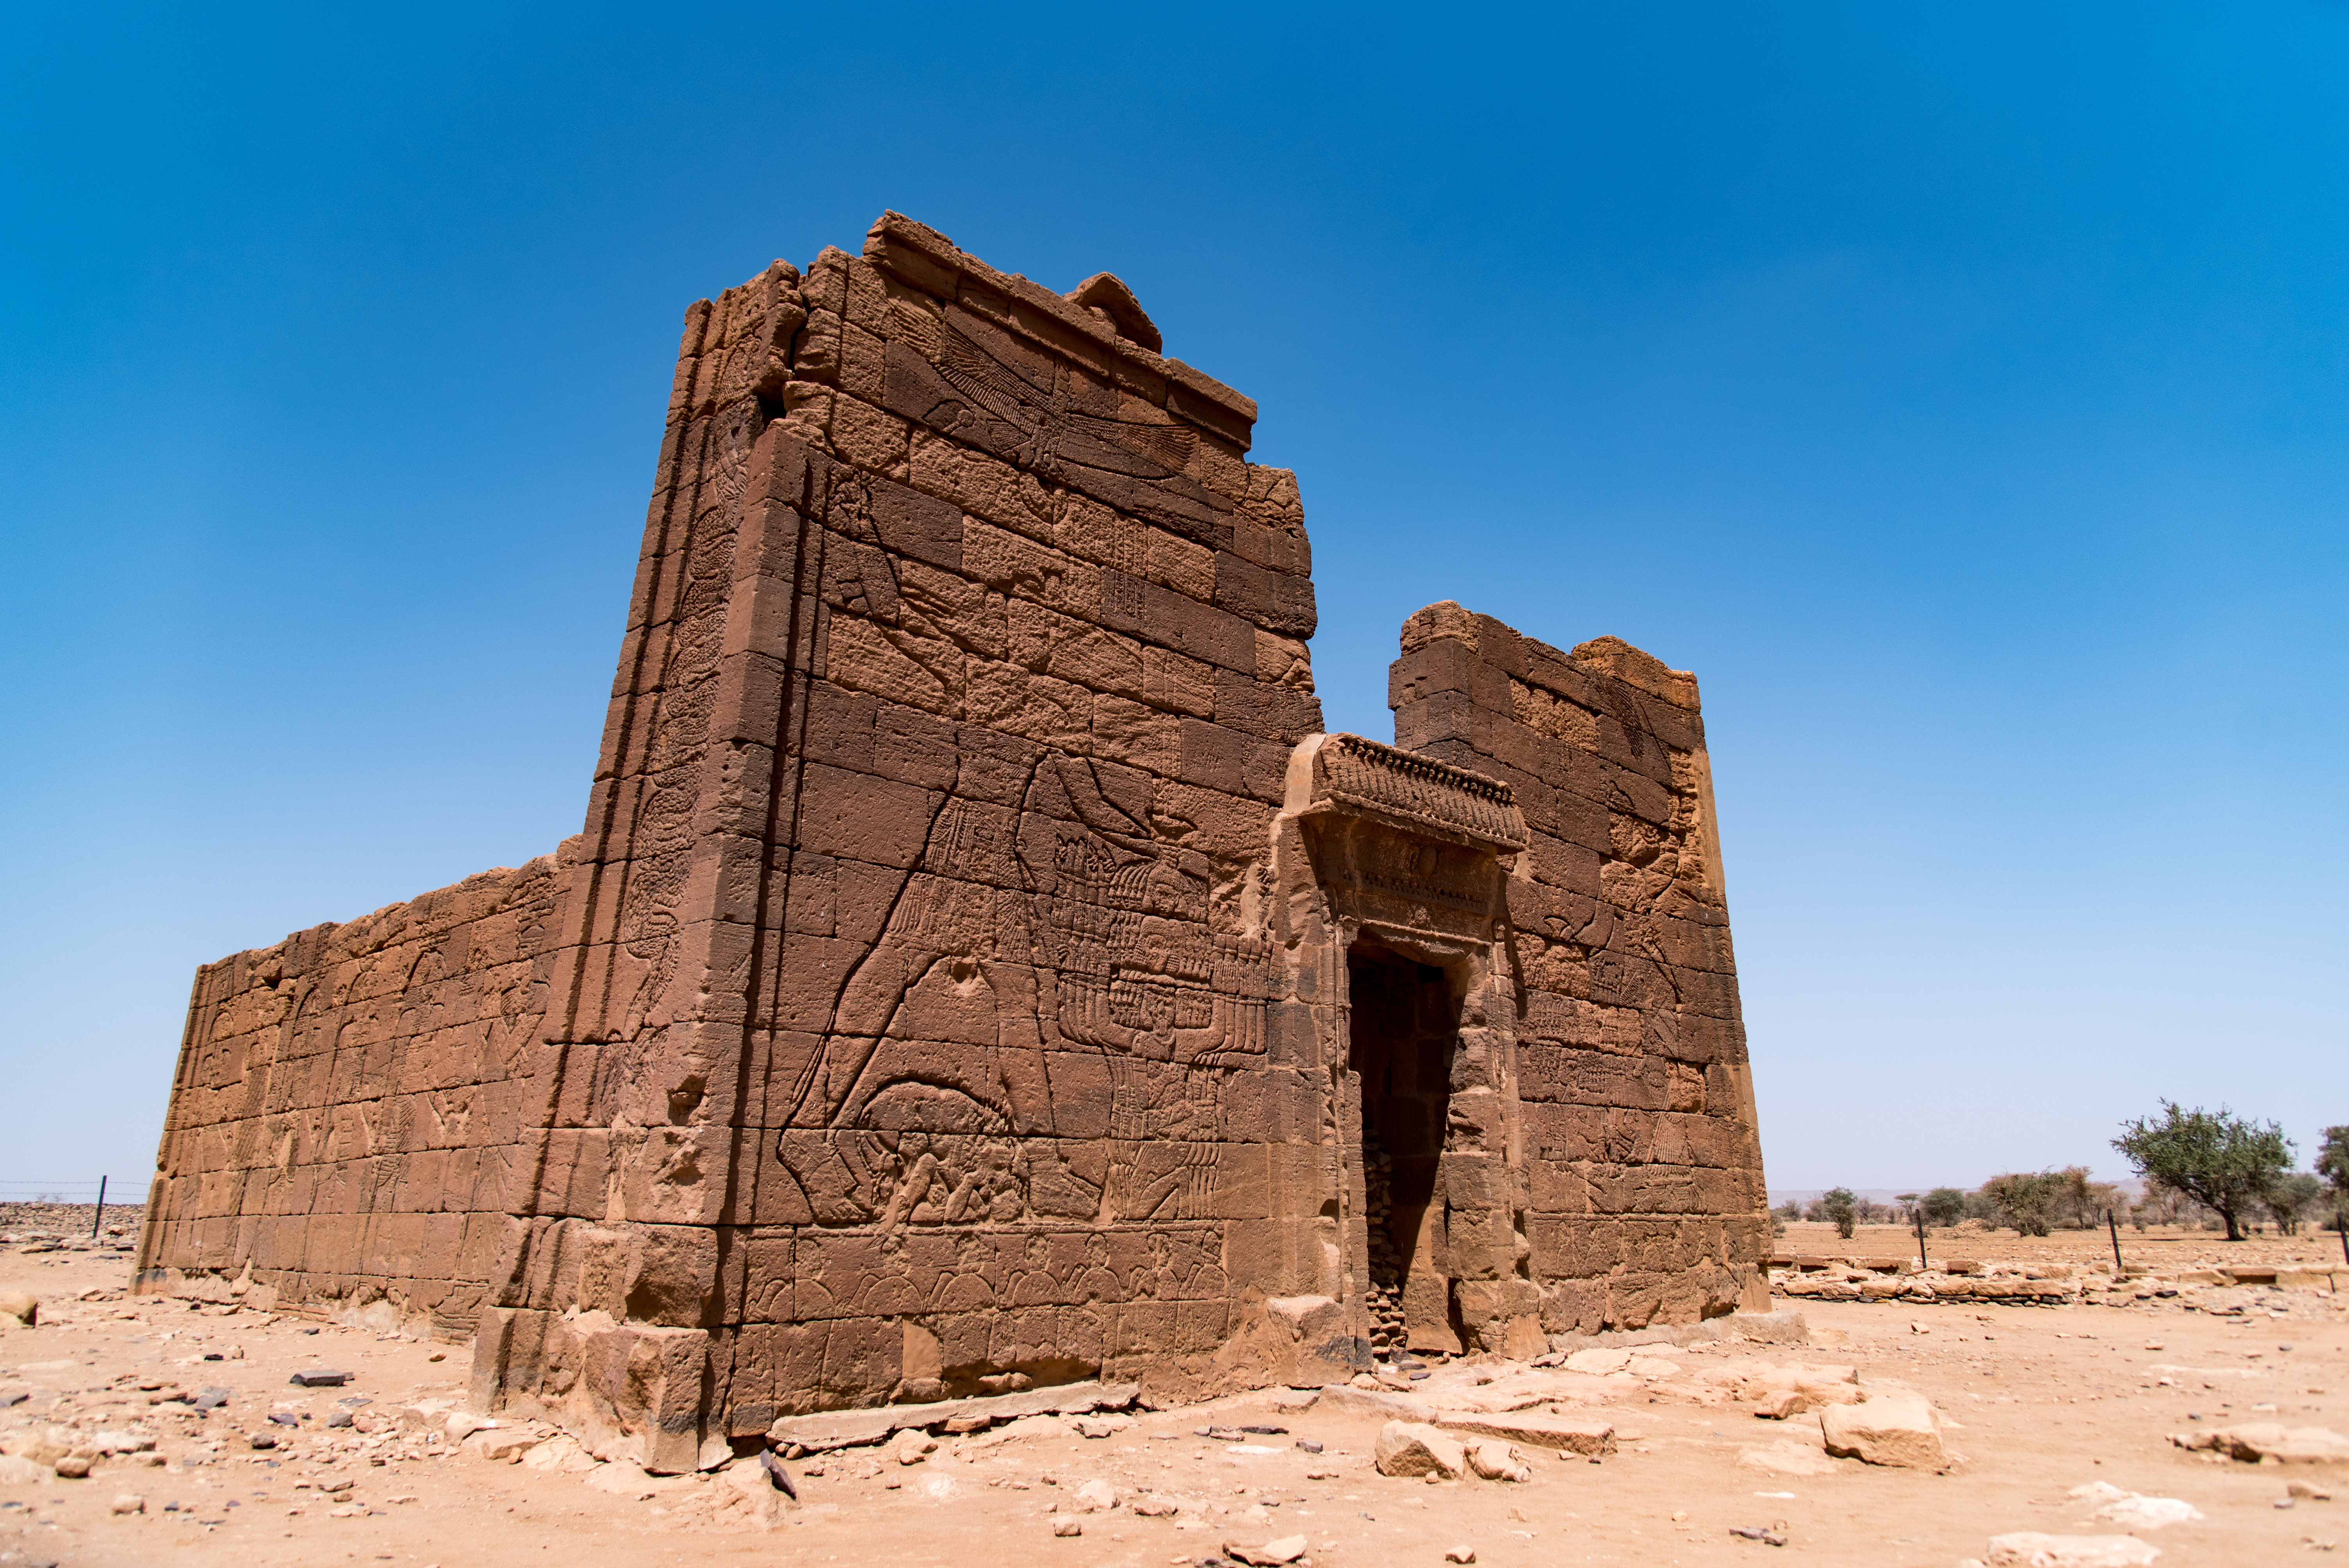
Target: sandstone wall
347, 1119
1637, 1123
947, 988
923, 1029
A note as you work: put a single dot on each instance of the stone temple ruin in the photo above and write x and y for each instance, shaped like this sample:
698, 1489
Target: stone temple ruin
978, 968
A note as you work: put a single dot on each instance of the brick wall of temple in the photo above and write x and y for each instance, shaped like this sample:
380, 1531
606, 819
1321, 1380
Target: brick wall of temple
1641, 1143
917, 930
346, 1121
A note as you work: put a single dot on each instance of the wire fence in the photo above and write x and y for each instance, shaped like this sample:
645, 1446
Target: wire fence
15, 1191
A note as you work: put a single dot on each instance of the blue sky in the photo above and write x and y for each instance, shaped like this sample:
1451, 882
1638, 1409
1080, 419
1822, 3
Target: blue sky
1959, 390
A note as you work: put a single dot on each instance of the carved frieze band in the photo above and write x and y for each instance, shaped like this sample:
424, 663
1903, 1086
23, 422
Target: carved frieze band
1418, 792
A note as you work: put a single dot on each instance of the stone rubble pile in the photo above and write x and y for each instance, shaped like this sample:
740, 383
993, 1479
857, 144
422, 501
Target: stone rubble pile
2221, 1290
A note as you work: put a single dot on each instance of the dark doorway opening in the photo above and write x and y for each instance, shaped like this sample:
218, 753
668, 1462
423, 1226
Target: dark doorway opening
1405, 1021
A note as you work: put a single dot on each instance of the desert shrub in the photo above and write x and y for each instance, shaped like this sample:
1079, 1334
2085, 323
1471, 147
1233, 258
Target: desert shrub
1841, 1209
2291, 1198
1944, 1206
2022, 1200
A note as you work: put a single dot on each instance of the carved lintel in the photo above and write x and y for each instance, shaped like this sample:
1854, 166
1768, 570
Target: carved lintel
1416, 794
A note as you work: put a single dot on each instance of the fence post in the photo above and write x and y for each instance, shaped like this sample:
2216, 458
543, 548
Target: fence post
2114, 1226
99, 1218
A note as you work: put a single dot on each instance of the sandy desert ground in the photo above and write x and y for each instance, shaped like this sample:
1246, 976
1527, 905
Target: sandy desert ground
2034, 1400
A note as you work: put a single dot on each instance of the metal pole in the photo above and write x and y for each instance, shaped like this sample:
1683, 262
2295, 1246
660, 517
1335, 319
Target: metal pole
1917, 1215
2118, 1267
99, 1218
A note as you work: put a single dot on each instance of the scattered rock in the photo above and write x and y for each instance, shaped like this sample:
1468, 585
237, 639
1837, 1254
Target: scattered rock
1787, 1458
463, 1424
1497, 1461
1894, 1429
2262, 1440
319, 1379
1768, 1536
2308, 1489
1272, 1554
1569, 1434
1460, 1554
1310, 1444
24, 1308
1064, 1525
1094, 1497
2033, 1549
778, 1477
1416, 1448
1101, 1426
504, 1445
559, 1452
129, 1503
15, 1470
74, 1467
912, 1446
1156, 1507
2135, 1510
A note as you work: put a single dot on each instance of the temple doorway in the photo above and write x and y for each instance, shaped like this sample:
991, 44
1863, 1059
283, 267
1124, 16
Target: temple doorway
1404, 1025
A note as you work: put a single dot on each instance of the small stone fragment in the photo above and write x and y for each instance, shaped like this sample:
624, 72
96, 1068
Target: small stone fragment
1064, 1525
129, 1503
1415, 1448
912, 1446
74, 1467
1495, 1460
2034, 1549
24, 1307
319, 1379
1460, 1554
1272, 1554
1094, 1497
1890, 1428
1310, 1444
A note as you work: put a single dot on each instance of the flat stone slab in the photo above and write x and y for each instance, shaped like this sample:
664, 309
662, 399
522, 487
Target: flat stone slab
855, 1428
1569, 1434
1340, 1399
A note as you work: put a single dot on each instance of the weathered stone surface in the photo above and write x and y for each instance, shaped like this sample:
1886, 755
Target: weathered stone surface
1414, 1448
2257, 1441
2035, 1549
1568, 1434
1494, 1460
17, 1471
977, 972
1887, 1428
21, 1306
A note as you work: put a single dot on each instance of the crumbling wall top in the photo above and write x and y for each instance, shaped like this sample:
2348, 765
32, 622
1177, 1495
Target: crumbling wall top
1120, 337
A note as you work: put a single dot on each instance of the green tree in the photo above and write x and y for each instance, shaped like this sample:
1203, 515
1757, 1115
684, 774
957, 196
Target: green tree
1944, 1206
2333, 1160
1843, 1208
2332, 1164
2292, 1199
2021, 1199
2220, 1160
